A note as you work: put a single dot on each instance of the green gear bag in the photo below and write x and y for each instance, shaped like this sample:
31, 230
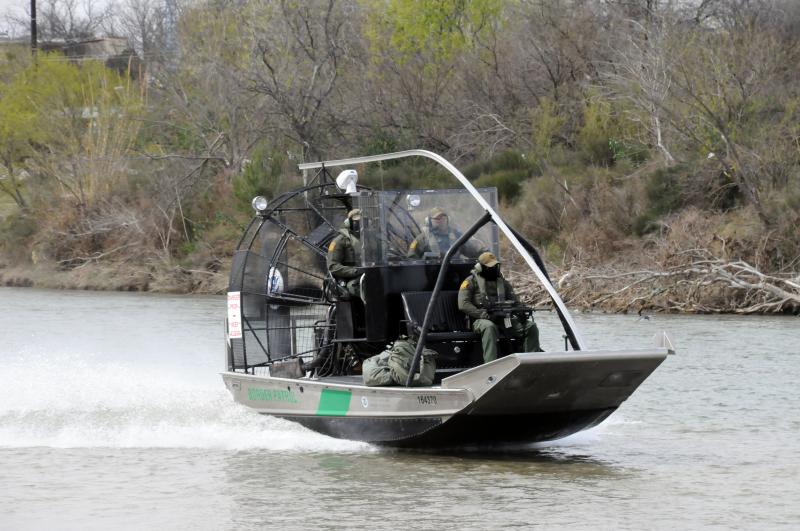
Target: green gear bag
376, 371
391, 366
400, 358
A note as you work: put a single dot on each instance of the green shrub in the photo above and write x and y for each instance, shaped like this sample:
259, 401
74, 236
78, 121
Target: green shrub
547, 125
726, 194
664, 194
187, 248
644, 224
664, 191
378, 143
409, 174
507, 182
16, 233
267, 174
538, 212
506, 160
622, 150
594, 138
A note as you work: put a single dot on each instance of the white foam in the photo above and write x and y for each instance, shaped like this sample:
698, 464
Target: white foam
72, 401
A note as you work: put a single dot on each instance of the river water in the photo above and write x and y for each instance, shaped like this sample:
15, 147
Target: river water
113, 416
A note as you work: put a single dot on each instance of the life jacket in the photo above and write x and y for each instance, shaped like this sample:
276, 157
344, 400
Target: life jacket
482, 297
355, 243
433, 240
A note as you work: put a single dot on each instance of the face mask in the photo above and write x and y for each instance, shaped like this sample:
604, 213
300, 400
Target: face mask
490, 273
355, 226
440, 225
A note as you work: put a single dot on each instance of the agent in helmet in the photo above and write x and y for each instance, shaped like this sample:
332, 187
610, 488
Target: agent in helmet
437, 236
485, 286
343, 254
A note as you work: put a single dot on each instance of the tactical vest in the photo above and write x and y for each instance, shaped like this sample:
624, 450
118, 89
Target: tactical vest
433, 240
481, 298
355, 243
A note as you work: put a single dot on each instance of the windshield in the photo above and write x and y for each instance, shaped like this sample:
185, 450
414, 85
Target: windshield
413, 226
393, 237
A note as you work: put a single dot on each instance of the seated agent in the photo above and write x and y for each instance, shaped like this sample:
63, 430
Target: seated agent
343, 254
475, 296
437, 236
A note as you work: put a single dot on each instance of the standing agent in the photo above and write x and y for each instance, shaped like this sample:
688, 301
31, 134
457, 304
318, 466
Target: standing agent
437, 236
478, 292
343, 259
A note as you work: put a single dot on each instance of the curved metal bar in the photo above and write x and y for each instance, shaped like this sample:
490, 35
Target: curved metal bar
246, 232
275, 204
481, 201
242, 269
423, 333
535, 254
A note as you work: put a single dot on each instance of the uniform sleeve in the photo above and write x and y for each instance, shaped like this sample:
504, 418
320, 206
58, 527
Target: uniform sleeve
336, 251
510, 295
415, 250
465, 304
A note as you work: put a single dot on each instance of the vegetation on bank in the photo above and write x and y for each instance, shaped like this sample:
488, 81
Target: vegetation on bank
651, 150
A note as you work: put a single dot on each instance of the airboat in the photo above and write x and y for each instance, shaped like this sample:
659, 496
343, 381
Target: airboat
294, 345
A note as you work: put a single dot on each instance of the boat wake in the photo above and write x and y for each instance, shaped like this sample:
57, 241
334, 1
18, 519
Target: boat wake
79, 402
82, 401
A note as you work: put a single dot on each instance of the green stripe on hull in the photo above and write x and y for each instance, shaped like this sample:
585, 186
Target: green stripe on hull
333, 402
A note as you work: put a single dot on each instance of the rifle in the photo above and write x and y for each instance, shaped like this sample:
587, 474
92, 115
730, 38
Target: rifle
505, 310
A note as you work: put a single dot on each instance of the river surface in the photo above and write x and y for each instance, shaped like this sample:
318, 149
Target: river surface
113, 416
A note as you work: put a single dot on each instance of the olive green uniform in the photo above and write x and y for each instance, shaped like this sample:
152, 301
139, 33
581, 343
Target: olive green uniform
473, 297
431, 241
342, 261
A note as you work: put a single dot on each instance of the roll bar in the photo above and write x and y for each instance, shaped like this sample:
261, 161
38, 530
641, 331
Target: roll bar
481, 201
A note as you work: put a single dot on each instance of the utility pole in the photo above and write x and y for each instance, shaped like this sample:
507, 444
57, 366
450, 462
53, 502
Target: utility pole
171, 30
33, 28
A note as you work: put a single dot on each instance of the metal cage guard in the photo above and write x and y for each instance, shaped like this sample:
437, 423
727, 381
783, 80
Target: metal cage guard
569, 324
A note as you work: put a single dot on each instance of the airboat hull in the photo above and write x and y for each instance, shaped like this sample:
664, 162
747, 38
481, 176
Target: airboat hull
528, 397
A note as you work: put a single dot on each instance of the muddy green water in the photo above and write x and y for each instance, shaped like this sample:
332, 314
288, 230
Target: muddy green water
113, 416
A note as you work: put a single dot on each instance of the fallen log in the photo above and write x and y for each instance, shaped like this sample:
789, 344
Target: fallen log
695, 282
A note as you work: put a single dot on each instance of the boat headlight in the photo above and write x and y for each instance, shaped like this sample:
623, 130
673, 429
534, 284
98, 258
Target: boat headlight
259, 204
347, 181
413, 201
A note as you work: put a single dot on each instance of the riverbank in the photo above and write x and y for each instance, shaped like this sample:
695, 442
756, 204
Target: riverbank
117, 277
695, 284
713, 288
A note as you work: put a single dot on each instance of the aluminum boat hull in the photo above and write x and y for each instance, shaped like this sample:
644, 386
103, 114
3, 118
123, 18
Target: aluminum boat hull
520, 398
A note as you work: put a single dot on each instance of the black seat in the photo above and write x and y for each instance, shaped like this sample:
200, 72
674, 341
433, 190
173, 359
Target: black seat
449, 332
447, 321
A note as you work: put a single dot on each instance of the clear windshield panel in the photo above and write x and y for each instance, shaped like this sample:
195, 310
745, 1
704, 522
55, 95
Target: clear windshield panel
397, 226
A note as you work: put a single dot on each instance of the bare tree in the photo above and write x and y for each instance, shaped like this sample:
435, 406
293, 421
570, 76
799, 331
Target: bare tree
302, 53
641, 75
72, 19
206, 100
142, 23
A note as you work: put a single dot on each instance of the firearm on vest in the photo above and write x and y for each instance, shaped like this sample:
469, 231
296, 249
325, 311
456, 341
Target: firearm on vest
508, 308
